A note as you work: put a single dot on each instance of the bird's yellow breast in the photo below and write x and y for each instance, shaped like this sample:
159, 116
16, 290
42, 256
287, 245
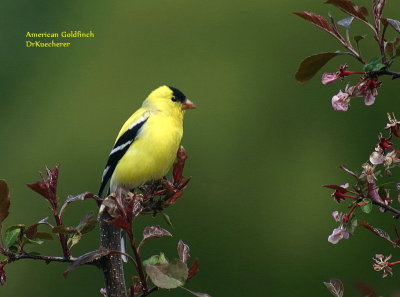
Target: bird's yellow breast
152, 153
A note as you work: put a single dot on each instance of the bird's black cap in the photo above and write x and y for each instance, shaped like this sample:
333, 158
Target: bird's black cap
178, 94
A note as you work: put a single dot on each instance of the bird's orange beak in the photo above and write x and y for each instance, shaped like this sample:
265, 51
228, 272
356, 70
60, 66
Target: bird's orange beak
187, 104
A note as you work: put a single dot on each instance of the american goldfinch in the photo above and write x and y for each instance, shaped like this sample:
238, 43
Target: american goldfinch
147, 143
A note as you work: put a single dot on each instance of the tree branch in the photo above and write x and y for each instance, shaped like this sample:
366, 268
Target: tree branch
388, 208
393, 74
112, 265
15, 257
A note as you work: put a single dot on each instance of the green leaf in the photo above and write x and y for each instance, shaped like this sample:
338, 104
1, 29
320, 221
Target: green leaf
44, 236
358, 38
374, 65
87, 223
156, 259
168, 276
167, 219
312, 64
4, 200
64, 229
74, 239
367, 208
353, 226
31, 241
12, 235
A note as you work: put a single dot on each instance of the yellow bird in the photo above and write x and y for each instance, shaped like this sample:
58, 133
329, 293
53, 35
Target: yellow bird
147, 143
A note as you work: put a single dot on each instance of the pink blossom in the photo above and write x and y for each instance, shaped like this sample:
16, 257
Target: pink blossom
376, 158
369, 90
340, 102
328, 78
338, 234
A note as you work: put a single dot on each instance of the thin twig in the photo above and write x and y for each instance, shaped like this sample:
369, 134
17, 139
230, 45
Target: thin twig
139, 263
149, 292
63, 239
15, 257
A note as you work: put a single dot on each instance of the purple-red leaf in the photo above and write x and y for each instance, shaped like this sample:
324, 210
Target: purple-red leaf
87, 258
378, 232
47, 187
335, 286
120, 222
183, 251
79, 197
177, 171
4, 201
312, 64
194, 269
315, 19
335, 187
350, 8
395, 24
153, 232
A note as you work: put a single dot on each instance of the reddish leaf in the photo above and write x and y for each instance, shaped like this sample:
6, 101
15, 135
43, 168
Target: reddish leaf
194, 269
79, 197
183, 251
123, 207
87, 258
335, 286
350, 8
378, 232
47, 187
395, 24
366, 290
312, 64
335, 187
175, 197
177, 171
44, 236
4, 201
315, 19
153, 232
31, 231
120, 222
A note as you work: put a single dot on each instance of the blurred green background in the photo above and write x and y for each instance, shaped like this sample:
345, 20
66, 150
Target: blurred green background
260, 145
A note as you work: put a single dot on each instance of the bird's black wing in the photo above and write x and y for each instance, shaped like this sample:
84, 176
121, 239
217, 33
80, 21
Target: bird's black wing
118, 151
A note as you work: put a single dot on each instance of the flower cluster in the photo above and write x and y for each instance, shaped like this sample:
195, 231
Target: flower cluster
382, 264
367, 88
342, 231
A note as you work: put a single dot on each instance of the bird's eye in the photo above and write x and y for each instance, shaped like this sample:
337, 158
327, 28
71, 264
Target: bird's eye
174, 99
